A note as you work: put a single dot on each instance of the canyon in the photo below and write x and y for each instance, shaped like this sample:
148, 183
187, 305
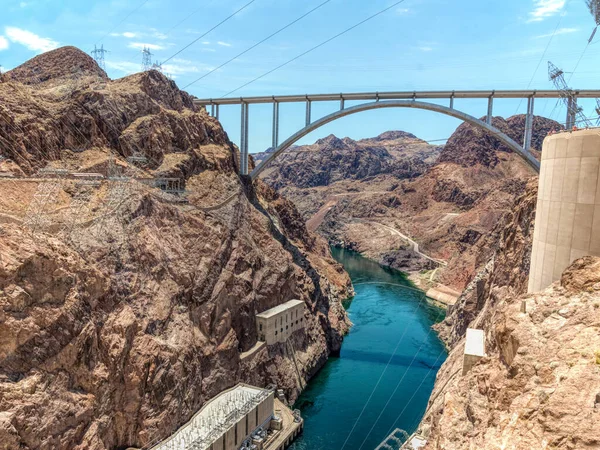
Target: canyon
121, 318
408, 204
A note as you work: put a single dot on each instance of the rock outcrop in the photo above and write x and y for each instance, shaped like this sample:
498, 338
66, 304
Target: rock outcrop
114, 331
538, 386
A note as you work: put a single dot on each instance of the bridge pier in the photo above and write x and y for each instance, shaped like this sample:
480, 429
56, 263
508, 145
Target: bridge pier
308, 111
571, 112
488, 118
528, 125
244, 140
275, 139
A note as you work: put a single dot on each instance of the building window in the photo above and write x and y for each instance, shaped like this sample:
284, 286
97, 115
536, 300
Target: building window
286, 327
282, 329
257, 422
246, 425
260, 327
296, 322
275, 332
236, 435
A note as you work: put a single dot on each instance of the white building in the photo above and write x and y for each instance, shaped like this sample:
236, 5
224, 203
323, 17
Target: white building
277, 324
226, 421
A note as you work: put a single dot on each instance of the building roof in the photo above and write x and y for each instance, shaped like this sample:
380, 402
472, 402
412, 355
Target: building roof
217, 416
279, 309
475, 342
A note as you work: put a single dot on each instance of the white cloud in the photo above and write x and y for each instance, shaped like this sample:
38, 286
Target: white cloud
402, 11
178, 67
184, 68
126, 67
426, 49
160, 36
23, 4
205, 42
545, 8
141, 45
224, 44
557, 32
127, 34
3, 43
30, 40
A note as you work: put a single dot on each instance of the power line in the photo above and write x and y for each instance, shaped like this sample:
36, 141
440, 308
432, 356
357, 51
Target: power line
398, 385
213, 28
544, 54
124, 19
578, 61
415, 393
380, 377
316, 46
258, 43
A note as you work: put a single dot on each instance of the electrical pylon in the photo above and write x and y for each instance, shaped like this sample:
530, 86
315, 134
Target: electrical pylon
146, 59
574, 112
98, 55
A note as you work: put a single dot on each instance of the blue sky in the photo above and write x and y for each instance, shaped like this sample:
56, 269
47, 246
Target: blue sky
419, 44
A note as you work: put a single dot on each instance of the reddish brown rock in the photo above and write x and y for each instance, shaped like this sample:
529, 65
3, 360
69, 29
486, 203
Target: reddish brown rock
113, 335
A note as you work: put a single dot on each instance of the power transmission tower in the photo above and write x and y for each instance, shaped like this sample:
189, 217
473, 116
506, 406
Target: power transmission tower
98, 55
146, 59
79, 208
594, 6
157, 66
46, 195
557, 76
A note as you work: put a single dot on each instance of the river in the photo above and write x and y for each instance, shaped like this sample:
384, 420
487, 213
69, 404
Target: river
386, 369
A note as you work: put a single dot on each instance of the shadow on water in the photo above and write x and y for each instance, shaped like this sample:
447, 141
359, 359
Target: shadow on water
391, 343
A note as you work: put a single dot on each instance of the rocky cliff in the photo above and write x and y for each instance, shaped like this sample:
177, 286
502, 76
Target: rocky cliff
449, 204
121, 315
539, 385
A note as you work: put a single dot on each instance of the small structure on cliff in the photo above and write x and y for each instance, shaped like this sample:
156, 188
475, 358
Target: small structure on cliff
277, 324
474, 349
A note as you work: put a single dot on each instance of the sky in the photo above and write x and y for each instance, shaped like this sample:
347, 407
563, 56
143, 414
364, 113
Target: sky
415, 45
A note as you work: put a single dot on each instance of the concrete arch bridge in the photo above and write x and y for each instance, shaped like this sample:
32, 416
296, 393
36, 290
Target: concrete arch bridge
379, 100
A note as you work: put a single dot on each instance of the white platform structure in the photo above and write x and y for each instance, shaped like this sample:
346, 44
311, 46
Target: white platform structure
226, 422
474, 349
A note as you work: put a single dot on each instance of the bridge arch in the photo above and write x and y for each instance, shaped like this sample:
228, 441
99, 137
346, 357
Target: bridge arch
528, 157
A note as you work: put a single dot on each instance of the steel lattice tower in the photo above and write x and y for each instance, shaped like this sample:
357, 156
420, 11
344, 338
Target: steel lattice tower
557, 76
98, 55
146, 59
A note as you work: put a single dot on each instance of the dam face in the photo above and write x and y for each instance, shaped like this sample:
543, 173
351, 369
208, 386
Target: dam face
567, 220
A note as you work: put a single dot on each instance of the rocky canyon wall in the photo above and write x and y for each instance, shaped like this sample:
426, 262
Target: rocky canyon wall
113, 333
537, 387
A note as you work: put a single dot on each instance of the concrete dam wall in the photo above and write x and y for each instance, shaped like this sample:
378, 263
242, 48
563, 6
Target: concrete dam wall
567, 221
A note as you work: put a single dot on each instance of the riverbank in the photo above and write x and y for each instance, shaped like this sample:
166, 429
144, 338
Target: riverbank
421, 271
386, 369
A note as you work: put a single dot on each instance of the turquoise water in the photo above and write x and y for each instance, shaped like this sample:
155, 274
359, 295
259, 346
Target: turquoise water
392, 343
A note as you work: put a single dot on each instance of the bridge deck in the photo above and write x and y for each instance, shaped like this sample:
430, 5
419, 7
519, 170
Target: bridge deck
399, 95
